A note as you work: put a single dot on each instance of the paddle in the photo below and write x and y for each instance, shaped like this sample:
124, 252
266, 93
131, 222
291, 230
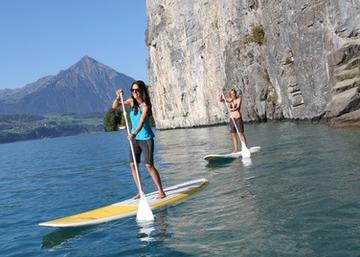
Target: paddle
245, 152
144, 212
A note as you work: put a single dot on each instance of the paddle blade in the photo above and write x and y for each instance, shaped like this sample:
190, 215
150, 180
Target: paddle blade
245, 152
144, 212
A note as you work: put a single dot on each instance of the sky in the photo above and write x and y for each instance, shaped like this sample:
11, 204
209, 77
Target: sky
41, 37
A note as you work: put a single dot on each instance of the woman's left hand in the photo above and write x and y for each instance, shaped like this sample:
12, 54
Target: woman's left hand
131, 137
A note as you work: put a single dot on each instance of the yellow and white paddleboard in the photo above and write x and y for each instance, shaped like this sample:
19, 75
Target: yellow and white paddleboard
229, 156
128, 207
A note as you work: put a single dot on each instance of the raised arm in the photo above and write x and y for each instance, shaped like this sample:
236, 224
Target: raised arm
222, 99
117, 102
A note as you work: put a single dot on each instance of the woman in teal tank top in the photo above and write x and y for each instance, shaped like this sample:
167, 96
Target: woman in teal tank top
142, 136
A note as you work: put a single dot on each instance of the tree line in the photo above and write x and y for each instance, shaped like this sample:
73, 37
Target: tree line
114, 119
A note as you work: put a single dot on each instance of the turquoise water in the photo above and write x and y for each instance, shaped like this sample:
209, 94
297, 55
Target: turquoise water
299, 196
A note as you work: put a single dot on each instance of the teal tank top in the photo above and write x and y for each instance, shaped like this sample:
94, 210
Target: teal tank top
146, 132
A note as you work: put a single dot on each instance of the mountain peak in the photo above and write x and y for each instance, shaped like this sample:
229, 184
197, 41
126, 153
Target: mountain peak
87, 65
87, 59
87, 86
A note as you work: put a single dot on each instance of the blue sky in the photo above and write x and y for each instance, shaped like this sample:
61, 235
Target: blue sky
42, 37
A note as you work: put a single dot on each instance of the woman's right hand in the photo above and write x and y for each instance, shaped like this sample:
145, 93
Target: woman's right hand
119, 92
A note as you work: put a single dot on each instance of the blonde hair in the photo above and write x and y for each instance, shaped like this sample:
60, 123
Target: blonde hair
233, 90
236, 90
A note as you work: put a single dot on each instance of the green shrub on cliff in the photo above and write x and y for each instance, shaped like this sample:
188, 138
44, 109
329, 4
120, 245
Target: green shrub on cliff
354, 64
257, 35
347, 76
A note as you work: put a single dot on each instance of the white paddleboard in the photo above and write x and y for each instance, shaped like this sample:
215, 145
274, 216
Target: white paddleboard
229, 156
128, 207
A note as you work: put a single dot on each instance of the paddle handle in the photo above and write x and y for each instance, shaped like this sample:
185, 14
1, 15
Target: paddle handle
131, 146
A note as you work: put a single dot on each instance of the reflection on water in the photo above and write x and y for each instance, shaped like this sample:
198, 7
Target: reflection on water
296, 197
222, 163
219, 163
145, 230
155, 230
246, 161
61, 235
148, 231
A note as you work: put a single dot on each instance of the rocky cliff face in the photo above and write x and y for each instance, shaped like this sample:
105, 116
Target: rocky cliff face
87, 86
291, 59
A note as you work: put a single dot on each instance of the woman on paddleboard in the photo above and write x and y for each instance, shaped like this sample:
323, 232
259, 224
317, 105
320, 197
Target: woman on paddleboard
235, 117
141, 136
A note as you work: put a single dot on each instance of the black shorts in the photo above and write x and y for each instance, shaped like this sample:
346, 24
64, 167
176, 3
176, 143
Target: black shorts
143, 146
239, 124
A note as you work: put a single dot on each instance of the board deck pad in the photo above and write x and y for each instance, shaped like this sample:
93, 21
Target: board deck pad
230, 156
128, 207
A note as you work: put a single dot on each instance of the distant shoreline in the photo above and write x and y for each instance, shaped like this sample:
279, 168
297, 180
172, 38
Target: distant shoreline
14, 128
77, 125
48, 133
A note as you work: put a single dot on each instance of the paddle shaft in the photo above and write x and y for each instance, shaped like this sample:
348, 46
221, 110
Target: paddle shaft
131, 147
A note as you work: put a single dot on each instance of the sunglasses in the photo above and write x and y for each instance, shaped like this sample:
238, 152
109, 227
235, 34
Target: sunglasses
135, 90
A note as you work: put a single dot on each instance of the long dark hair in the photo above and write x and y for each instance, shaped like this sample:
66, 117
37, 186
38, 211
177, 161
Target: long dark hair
144, 93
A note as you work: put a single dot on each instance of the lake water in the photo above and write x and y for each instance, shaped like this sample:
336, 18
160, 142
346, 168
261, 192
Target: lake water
299, 196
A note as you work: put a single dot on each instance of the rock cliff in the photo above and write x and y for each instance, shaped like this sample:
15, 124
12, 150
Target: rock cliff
292, 59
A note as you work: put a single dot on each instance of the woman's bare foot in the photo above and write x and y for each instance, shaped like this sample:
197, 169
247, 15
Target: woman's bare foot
161, 195
136, 196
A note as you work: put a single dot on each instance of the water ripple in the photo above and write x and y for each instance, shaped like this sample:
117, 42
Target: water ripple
298, 197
